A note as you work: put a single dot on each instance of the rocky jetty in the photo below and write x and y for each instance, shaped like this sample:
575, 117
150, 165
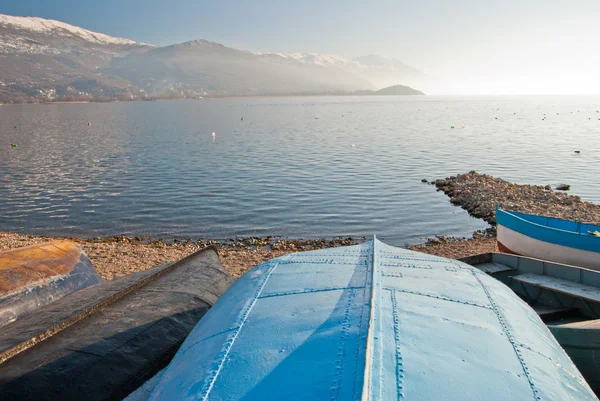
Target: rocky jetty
479, 193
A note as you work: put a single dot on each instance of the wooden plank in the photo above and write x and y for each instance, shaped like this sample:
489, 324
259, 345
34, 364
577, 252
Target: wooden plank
493, 268
566, 287
548, 314
582, 324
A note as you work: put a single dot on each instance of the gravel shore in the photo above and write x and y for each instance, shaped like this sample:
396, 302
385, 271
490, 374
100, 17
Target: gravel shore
118, 256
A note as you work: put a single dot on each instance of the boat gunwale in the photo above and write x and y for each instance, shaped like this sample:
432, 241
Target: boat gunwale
488, 257
591, 243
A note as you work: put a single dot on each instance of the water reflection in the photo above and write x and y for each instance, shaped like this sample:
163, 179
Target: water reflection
155, 168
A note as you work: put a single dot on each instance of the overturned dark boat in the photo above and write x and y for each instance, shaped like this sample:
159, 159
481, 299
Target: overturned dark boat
103, 341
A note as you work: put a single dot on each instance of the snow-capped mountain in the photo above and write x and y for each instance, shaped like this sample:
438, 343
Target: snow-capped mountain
46, 60
32, 35
320, 59
388, 63
206, 67
386, 71
379, 70
46, 26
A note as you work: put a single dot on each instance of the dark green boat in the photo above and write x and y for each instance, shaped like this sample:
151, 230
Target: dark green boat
567, 299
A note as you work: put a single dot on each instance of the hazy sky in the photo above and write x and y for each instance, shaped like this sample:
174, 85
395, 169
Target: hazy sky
468, 46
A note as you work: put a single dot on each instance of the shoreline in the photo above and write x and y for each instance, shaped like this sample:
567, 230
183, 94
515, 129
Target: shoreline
118, 256
477, 193
207, 98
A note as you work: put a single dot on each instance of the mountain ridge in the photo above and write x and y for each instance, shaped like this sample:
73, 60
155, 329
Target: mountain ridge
45, 60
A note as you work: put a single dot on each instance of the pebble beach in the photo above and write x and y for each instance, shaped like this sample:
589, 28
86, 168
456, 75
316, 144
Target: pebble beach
119, 256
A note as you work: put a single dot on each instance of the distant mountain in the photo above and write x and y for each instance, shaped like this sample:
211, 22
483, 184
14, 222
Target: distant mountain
395, 90
209, 68
386, 71
323, 60
46, 60
51, 60
378, 70
385, 63
398, 90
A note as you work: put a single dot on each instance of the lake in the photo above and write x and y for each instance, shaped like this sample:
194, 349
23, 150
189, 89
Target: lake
293, 167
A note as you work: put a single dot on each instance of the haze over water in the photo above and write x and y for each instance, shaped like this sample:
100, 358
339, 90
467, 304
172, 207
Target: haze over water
288, 169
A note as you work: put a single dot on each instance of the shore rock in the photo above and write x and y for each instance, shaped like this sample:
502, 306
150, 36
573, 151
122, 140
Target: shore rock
479, 193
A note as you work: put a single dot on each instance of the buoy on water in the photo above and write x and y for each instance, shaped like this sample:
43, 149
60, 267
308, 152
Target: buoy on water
452, 127
353, 146
213, 135
578, 151
13, 145
89, 124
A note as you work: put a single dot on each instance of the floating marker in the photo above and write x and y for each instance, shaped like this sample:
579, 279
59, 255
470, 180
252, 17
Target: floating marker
452, 126
213, 134
13, 145
353, 145
578, 151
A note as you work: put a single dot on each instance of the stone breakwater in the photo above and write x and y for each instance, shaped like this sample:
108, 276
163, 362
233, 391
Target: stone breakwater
479, 193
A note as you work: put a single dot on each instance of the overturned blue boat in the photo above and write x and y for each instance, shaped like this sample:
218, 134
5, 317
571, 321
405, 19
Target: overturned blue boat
370, 322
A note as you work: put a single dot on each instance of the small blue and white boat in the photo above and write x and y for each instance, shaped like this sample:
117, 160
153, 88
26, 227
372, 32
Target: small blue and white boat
370, 322
562, 241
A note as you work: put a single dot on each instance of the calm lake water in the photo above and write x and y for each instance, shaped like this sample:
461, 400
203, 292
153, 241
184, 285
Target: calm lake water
288, 169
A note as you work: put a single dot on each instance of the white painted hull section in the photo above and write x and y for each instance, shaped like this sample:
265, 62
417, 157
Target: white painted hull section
527, 246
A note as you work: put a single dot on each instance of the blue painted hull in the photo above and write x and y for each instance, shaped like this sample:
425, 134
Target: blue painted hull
557, 240
370, 322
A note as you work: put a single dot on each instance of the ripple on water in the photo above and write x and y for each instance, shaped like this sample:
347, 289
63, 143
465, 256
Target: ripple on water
152, 168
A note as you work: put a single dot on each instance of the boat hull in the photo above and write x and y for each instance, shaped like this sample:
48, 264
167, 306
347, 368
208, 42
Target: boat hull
37, 275
583, 347
565, 297
102, 342
562, 241
370, 322
511, 241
